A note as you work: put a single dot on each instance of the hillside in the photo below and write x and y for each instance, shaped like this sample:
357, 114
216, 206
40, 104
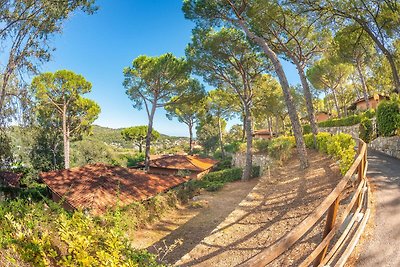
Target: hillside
113, 137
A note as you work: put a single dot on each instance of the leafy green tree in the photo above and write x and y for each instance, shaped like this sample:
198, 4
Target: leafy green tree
268, 103
154, 82
355, 46
91, 151
331, 76
6, 156
208, 13
137, 135
208, 132
189, 107
59, 98
379, 19
26, 28
226, 60
219, 107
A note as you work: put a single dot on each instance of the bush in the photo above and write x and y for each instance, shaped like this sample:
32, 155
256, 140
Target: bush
388, 117
261, 145
223, 164
43, 234
366, 130
255, 171
307, 129
347, 121
281, 147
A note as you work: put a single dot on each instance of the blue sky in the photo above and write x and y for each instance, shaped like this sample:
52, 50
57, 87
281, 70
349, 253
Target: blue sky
101, 45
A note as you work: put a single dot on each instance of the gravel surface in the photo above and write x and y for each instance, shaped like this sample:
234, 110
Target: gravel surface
273, 208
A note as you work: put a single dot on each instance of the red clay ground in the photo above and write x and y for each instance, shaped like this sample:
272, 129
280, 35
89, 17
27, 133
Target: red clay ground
273, 208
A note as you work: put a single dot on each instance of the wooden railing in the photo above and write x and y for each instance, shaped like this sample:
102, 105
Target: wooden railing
351, 221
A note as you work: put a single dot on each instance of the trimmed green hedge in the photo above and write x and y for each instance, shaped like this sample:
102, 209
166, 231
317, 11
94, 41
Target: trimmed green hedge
388, 117
348, 121
339, 146
214, 181
366, 130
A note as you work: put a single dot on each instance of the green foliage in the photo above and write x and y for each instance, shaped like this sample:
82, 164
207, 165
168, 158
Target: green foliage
223, 164
281, 147
347, 121
89, 151
44, 234
307, 129
261, 145
135, 160
6, 156
366, 130
339, 146
233, 147
388, 117
137, 135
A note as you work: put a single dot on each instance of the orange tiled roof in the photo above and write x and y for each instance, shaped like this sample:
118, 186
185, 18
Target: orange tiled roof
100, 186
262, 132
183, 162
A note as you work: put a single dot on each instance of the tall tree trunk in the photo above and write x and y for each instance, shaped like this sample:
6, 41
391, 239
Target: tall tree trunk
190, 125
244, 127
65, 137
269, 121
309, 103
140, 147
221, 141
335, 100
148, 136
4, 85
249, 143
300, 145
363, 83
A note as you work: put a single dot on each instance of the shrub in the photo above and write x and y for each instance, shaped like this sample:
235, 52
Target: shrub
347, 121
388, 117
223, 164
307, 129
261, 145
233, 147
255, 171
322, 141
281, 147
366, 130
309, 140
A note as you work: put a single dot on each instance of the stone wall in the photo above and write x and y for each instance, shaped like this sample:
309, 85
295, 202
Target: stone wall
352, 130
239, 160
387, 145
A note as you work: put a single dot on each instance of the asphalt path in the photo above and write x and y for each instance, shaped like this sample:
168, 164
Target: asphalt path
383, 248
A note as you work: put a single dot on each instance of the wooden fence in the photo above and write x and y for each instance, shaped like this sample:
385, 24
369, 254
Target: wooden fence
351, 222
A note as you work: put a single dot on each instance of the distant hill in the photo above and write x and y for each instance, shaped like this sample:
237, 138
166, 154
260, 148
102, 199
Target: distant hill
113, 137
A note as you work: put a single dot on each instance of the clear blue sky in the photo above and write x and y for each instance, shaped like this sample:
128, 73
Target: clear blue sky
101, 45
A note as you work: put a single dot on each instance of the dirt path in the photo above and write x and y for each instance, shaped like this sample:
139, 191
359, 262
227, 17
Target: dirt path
271, 210
382, 249
191, 225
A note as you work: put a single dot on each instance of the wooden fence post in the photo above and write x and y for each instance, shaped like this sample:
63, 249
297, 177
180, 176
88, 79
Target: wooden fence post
330, 222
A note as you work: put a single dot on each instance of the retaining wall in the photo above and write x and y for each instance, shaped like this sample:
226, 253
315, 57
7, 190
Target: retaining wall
387, 145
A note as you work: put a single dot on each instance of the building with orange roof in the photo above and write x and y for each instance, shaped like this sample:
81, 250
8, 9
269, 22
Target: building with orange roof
174, 164
97, 187
263, 134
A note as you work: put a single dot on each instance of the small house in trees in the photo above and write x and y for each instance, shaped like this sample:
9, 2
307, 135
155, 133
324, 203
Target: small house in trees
361, 104
263, 134
321, 116
183, 165
97, 187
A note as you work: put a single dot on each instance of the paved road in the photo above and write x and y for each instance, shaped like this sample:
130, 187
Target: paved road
383, 249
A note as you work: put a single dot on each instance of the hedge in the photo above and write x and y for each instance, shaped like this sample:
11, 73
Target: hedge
388, 117
366, 130
347, 121
339, 146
